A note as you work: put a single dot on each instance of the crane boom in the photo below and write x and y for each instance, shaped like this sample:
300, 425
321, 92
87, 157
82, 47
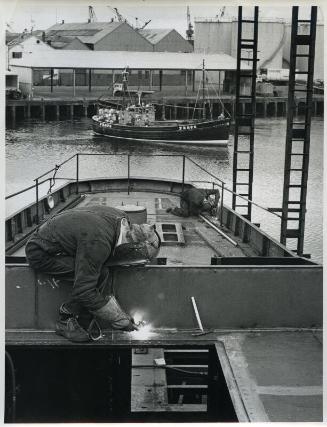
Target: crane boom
189, 31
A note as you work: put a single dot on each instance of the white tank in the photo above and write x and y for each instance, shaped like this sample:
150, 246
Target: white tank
271, 37
211, 36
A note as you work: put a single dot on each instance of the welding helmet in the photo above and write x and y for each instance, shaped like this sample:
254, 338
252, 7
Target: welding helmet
137, 251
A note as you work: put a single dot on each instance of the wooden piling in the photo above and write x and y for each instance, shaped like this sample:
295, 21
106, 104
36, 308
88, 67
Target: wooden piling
43, 111
13, 113
264, 108
57, 112
175, 111
71, 108
163, 112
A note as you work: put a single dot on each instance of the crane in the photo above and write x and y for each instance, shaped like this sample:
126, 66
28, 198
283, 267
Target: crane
121, 18
92, 15
221, 13
189, 31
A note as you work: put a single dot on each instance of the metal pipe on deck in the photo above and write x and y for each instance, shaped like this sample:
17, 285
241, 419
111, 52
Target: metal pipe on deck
218, 231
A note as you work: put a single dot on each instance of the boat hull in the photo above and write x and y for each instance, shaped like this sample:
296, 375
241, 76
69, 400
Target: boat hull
214, 132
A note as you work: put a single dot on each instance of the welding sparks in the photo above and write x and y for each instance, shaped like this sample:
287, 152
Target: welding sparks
144, 332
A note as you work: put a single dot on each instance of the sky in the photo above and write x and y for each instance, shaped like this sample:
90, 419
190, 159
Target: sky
41, 14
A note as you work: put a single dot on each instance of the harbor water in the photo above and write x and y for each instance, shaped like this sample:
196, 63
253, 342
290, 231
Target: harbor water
34, 147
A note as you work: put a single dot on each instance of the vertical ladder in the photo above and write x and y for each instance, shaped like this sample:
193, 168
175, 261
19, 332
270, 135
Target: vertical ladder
298, 134
244, 122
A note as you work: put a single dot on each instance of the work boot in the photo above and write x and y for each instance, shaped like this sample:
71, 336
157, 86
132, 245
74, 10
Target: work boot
72, 330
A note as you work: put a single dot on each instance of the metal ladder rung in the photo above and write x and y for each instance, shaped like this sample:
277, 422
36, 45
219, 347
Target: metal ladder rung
247, 40
243, 194
299, 154
303, 20
303, 40
242, 183
245, 133
244, 152
294, 186
292, 233
245, 96
243, 170
249, 59
247, 21
295, 169
302, 55
302, 72
293, 202
241, 206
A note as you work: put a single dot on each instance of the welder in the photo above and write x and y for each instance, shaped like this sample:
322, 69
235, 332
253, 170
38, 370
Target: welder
77, 245
195, 201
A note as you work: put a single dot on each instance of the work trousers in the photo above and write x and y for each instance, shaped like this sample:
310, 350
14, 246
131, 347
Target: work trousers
62, 266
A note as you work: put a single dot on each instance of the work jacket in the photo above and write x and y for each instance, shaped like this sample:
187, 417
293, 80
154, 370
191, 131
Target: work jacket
88, 234
195, 197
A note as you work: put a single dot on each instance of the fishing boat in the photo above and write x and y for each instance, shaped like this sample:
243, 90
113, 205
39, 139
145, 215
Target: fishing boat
233, 318
135, 121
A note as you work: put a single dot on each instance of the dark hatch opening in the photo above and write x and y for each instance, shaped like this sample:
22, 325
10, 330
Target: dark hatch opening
88, 384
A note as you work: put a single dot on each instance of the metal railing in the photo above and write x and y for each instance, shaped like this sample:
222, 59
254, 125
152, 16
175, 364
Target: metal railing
217, 181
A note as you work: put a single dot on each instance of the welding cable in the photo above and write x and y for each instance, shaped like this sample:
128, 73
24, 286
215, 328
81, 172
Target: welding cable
199, 373
13, 386
172, 368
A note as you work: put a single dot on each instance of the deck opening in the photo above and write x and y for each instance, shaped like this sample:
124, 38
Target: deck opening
170, 233
100, 384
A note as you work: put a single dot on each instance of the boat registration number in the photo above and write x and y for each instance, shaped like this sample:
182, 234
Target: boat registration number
186, 127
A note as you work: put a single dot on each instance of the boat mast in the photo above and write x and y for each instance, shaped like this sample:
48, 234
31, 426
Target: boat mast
203, 90
125, 80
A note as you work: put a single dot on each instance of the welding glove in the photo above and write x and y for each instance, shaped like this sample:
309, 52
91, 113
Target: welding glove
115, 315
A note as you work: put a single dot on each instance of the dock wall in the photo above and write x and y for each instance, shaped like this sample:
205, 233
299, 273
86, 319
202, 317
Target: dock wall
59, 109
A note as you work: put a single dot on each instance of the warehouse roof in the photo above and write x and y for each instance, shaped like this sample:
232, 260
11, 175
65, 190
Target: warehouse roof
121, 59
154, 35
87, 32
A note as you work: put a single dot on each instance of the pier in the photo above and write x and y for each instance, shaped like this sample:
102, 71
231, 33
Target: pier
48, 108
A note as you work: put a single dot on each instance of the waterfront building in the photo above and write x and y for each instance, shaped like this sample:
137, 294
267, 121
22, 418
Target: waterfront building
91, 72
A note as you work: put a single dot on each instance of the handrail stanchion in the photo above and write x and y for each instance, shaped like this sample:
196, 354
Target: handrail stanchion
37, 217
128, 172
77, 173
183, 177
222, 203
